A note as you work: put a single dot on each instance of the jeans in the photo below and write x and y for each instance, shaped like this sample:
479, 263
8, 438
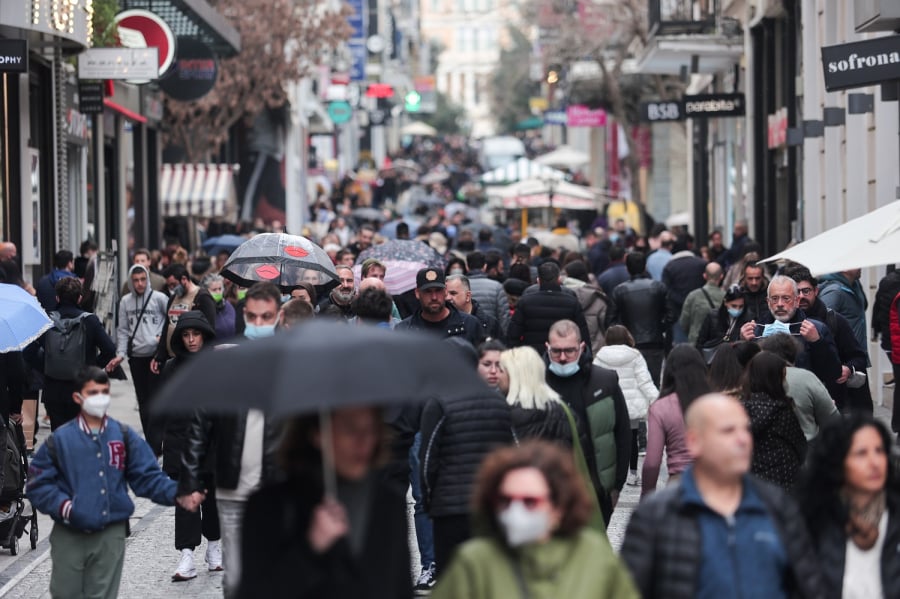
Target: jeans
424, 531
231, 515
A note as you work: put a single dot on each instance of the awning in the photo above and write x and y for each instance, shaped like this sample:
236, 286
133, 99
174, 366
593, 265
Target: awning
519, 170
196, 19
666, 55
205, 190
536, 193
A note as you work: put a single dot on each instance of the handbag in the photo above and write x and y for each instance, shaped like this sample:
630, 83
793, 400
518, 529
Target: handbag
710, 348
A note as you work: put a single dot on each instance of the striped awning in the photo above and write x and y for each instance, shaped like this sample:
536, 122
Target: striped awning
205, 190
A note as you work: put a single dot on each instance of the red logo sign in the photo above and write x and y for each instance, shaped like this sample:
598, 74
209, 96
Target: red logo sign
144, 29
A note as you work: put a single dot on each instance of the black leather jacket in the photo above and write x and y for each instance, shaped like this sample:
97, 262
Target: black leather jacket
223, 436
458, 323
640, 305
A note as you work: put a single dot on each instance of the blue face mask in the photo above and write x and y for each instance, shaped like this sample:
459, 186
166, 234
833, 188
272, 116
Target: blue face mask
285, 298
735, 312
564, 370
252, 331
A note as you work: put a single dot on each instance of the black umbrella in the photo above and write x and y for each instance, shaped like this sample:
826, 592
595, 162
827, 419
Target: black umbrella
318, 367
281, 259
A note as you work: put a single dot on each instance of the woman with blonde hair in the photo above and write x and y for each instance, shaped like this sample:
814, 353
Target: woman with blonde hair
537, 410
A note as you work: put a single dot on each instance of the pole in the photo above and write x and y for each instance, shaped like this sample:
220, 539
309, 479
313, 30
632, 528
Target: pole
7, 228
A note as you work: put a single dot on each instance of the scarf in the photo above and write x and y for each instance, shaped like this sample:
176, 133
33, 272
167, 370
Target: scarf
863, 520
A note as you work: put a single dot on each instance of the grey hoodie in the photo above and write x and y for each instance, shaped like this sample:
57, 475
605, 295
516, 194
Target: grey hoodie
151, 326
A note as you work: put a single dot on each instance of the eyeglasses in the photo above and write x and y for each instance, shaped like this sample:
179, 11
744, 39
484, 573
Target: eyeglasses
806, 291
529, 501
558, 351
781, 299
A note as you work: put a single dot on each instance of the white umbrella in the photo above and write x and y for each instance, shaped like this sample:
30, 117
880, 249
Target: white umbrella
520, 170
564, 157
418, 128
869, 240
535, 193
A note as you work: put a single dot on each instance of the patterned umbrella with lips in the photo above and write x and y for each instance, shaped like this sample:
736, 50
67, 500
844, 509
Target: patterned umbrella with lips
404, 250
285, 260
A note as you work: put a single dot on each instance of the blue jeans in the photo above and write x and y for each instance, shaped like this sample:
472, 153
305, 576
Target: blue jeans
424, 534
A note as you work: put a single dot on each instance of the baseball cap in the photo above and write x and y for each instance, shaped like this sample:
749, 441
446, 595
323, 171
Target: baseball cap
430, 278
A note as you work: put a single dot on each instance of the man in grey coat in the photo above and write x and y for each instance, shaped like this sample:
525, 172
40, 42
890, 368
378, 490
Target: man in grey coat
142, 314
486, 291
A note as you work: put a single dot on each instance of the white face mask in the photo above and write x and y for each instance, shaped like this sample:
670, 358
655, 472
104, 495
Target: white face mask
523, 526
96, 405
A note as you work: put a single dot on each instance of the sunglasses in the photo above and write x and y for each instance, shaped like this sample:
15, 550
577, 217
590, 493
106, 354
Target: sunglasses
529, 501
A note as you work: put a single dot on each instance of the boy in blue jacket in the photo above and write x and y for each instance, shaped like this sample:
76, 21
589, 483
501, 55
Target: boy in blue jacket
80, 477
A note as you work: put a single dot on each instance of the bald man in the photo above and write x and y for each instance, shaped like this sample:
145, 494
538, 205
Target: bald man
7, 250
719, 532
700, 302
373, 282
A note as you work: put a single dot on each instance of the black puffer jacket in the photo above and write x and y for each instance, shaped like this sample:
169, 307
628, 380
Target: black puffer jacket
536, 312
779, 445
830, 539
551, 424
662, 544
642, 306
456, 435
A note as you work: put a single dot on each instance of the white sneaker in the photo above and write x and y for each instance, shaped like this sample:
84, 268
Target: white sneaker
186, 569
634, 479
214, 556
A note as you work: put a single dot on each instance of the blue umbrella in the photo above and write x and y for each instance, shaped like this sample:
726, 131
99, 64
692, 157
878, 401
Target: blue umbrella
22, 320
228, 242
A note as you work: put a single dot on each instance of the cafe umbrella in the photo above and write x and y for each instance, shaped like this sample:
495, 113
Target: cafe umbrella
319, 367
281, 259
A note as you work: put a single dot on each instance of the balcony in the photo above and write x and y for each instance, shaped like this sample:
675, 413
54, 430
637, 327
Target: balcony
680, 17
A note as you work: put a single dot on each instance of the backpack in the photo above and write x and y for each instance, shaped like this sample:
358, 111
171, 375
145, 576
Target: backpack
65, 346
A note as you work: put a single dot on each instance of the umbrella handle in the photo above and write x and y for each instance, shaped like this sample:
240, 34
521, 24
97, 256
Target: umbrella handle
329, 476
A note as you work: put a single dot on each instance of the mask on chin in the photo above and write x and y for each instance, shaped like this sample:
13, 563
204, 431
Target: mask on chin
564, 370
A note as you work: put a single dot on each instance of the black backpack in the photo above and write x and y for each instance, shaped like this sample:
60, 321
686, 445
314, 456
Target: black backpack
65, 347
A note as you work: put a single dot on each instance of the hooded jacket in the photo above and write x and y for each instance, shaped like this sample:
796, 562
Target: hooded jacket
147, 331
634, 377
847, 299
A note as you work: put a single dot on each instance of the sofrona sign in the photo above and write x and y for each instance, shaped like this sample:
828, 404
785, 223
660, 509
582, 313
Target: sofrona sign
863, 63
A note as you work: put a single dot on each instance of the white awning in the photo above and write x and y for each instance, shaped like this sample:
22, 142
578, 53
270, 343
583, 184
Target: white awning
205, 190
520, 170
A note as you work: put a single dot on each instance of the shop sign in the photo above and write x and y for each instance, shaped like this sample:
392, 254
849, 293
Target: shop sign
195, 71
90, 97
714, 105
144, 29
578, 115
118, 63
777, 128
555, 117
13, 56
339, 112
662, 111
65, 19
859, 64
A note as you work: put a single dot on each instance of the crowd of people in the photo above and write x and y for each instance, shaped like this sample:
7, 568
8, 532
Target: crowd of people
749, 380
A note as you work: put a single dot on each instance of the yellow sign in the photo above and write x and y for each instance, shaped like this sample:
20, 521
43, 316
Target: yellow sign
538, 104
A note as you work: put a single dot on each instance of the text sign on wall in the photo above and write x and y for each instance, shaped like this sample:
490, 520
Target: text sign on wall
861, 63
578, 115
118, 63
662, 111
713, 105
13, 56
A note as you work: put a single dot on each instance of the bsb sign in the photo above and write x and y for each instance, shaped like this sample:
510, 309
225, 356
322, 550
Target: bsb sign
861, 63
694, 107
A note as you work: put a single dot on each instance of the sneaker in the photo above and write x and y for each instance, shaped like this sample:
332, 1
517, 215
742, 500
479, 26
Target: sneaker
425, 582
214, 556
186, 569
634, 479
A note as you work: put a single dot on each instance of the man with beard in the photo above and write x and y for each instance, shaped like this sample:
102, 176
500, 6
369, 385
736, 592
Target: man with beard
436, 314
819, 353
753, 281
341, 296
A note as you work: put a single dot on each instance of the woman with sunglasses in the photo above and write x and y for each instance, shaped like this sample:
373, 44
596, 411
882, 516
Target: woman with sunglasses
534, 508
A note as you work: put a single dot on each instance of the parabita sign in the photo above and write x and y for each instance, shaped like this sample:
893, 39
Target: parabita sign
858, 64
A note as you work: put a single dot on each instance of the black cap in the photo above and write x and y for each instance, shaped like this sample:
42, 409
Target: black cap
430, 278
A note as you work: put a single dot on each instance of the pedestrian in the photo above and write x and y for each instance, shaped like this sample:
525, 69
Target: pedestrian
535, 508
486, 291
141, 257
215, 285
438, 316
701, 301
456, 434
593, 394
192, 334
843, 293
293, 312
659, 258
684, 380
460, 295
341, 297
184, 295
726, 371
90, 514
300, 542
142, 314
852, 508
636, 383
779, 441
683, 274
812, 404
615, 273
723, 323
720, 532
755, 284
241, 446
640, 305
63, 267
593, 300
99, 350
886, 325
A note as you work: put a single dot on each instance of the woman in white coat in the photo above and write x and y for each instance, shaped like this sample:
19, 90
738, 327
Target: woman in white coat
637, 385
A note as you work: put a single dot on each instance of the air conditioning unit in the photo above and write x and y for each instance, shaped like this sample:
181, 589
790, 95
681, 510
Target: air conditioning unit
876, 15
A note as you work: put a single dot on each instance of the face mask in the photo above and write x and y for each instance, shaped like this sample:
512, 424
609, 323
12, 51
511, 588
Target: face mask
564, 370
217, 296
523, 526
95, 405
241, 294
775, 328
285, 298
735, 312
178, 291
252, 331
